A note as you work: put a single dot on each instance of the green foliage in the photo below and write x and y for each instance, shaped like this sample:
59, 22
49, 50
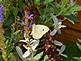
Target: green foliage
64, 2
77, 58
37, 2
20, 4
64, 9
46, 58
14, 11
79, 40
72, 18
71, 51
38, 56
79, 46
71, 9
1, 59
19, 51
12, 57
48, 1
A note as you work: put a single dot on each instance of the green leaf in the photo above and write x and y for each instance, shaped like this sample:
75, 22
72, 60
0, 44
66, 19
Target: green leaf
48, 1
46, 58
78, 8
11, 56
37, 2
8, 23
20, 4
19, 51
64, 2
79, 46
54, 8
62, 49
15, 11
15, 33
0, 0
72, 18
79, 40
38, 56
71, 9
71, 51
42, 11
77, 58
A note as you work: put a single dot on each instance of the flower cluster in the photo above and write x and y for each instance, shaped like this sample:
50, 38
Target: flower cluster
32, 47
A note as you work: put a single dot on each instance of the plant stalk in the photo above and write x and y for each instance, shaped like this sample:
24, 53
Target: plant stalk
2, 44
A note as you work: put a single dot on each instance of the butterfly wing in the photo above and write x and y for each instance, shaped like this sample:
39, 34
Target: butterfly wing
39, 30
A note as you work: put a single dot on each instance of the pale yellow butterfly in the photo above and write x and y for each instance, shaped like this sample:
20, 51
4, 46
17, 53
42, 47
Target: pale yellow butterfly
38, 31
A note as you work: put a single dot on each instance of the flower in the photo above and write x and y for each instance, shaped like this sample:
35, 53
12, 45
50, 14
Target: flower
57, 43
57, 29
27, 53
1, 18
29, 15
1, 9
57, 25
30, 26
33, 45
1, 12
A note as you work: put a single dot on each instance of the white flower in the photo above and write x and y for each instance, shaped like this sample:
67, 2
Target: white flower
57, 28
33, 45
27, 53
57, 43
26, 40
60, 25
61, 50
57, 25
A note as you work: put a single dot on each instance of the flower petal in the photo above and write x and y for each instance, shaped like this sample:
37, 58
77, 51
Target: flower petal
57, 43
23, 41
53, 32
26, 54
59, 23
34, 44
25, 47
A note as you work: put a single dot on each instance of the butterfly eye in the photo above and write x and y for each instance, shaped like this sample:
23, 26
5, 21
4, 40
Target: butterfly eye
42, 29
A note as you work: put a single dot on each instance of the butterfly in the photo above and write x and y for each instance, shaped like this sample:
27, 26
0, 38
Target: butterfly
38, 31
